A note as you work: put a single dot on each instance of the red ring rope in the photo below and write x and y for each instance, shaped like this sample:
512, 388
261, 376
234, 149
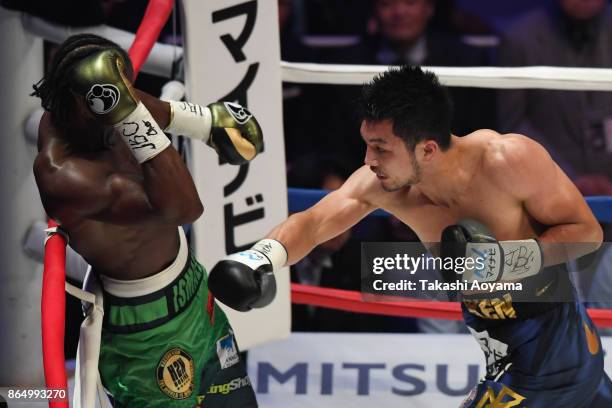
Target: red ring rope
352, 301
53, 307
152, 23
53, 300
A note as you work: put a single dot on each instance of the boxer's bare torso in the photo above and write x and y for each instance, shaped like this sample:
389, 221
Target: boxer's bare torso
120, 238
507, 182
473, 193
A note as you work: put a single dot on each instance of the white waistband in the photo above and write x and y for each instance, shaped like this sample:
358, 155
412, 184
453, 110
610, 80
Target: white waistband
150, 284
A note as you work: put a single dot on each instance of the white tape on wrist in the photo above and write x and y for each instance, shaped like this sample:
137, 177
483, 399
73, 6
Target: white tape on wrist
191, 120
252, 259
504, 261
142, 134
522, 258
274, 251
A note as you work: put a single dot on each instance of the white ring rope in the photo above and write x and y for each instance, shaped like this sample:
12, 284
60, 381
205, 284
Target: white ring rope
162, 56
160, 59
586, 79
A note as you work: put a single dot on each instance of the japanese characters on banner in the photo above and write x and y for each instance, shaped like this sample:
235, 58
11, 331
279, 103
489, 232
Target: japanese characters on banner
370, 370
232, 53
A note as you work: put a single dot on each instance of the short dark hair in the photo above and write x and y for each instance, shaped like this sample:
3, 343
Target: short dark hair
54, 88
418, 105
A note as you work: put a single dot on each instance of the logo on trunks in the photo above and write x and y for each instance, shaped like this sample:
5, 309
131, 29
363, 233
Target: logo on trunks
228, 387
175, 374
495, 351
102, 98
240, 113
505, 399
592, 340
227, 351
495, 308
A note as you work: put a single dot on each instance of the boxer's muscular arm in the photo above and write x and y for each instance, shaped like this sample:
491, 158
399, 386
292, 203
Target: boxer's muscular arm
334, 214
73, 188
526, 170
158, 108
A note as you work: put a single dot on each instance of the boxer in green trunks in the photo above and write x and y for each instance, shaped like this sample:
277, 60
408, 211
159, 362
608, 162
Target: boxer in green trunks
109, 174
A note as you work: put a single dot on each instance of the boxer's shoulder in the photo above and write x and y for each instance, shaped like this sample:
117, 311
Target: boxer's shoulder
511, 149
514, 161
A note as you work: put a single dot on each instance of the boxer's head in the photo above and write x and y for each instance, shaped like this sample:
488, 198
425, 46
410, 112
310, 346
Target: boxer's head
54, 89
406, 118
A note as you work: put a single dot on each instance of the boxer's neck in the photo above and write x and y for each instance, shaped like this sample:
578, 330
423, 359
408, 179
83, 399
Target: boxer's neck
449, 173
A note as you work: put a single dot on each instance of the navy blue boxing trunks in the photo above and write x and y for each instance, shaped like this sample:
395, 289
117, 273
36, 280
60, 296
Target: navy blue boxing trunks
539, 354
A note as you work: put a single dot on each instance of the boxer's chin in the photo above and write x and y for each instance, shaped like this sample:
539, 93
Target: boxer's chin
388, 186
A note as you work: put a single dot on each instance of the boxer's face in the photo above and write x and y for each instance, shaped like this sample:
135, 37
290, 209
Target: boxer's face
85, 131
389, 157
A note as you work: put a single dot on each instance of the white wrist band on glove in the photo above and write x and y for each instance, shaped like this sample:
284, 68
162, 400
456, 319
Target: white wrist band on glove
264, 252
274, 251
142, 134
190, 119
504, 260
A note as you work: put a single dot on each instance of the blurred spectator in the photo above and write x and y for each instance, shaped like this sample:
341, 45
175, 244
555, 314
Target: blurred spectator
292, 47
454, 20
575, 126
299, 100
73, 13
401, 232
335, 17
327, 173
403, 37
335, 263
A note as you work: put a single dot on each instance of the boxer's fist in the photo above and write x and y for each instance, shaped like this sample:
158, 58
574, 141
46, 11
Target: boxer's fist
471, 239
235, 133
245, 280
492, 260
227, 127
100, 80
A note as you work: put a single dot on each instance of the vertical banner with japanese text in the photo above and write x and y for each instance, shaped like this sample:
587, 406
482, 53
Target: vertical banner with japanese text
232, 53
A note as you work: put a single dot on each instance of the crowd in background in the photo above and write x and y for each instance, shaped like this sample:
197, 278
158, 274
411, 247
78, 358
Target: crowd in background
321, 130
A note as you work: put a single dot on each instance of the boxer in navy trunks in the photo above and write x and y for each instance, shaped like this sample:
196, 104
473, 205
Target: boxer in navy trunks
484, 193
539, 354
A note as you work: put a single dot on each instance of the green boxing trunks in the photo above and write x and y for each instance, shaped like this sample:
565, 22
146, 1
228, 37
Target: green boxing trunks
165, 343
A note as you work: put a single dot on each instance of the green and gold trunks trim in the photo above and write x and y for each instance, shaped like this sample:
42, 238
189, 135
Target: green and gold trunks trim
129, 315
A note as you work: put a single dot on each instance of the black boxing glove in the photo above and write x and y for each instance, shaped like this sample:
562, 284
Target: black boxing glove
245, 280
492, 260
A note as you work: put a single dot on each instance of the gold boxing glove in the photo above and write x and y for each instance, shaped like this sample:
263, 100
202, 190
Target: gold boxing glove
227, 127
99, 81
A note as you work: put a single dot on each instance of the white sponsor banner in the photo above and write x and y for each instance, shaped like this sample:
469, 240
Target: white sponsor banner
232, 53
369, 370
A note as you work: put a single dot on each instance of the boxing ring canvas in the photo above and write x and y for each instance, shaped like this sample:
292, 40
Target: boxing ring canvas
232, 51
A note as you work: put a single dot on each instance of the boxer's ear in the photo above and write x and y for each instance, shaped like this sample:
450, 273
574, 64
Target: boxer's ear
429, 148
